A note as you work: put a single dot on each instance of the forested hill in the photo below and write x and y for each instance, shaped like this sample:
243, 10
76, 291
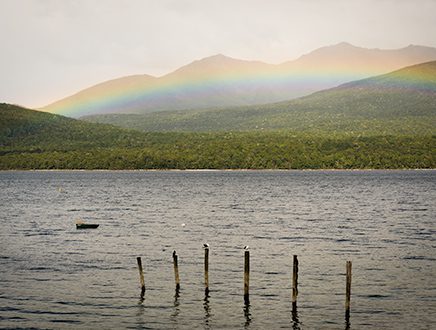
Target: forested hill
401, 102
36, 140
22, 128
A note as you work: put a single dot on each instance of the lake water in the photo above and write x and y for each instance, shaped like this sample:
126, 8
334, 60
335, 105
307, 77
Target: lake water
54, 276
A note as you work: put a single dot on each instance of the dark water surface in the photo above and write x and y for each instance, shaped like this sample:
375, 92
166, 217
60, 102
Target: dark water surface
54, 276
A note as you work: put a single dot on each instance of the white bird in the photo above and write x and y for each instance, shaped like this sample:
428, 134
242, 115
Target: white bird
205, 246
183, 224
246, 247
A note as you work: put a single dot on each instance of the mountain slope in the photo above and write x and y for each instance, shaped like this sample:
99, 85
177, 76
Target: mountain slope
22, 128
401, 102
220, 81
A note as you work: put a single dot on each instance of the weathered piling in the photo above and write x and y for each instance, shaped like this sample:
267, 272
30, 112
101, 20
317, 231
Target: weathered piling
348, 290
141, 276
206, 269
247, 277
176, 270
295, 283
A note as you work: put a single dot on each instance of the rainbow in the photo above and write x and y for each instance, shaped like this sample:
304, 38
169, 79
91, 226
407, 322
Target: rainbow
181, 90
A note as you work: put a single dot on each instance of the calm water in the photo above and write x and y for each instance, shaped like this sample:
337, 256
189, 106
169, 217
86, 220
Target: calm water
54, 276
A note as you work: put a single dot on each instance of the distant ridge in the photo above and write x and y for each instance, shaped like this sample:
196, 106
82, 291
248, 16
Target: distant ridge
221, 81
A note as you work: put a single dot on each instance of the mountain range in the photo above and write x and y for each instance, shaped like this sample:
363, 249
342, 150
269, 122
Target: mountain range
220, 81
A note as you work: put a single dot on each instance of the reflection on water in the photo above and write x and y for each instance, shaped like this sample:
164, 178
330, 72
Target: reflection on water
347, 324
295, 320
207, 311
247, 315
140, 313
176, 309
347, 320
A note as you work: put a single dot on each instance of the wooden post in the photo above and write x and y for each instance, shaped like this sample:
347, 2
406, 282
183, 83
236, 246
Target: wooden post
295, 283
348, 291
176, 270
141, 276
247, 277
206, 270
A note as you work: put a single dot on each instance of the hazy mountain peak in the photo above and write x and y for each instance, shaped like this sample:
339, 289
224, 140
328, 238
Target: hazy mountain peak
218, 57
205, 62
417, 46
216, 65
334, 50
224, 59
344, 44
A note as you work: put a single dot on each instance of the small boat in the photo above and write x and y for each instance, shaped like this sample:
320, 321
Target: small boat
86, 225
82, 225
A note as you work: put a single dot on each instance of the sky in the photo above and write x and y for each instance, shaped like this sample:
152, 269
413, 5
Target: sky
51, 49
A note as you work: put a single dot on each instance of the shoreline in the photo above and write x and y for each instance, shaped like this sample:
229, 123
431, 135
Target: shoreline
225, 170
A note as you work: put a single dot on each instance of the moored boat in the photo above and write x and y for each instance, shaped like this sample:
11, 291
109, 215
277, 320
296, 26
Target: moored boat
83, 225
86, 225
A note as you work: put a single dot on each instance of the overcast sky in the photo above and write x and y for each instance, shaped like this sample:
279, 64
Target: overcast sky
51, 49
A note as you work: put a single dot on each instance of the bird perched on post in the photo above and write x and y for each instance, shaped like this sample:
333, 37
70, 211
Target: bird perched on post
205, 246
174, 253
246, 247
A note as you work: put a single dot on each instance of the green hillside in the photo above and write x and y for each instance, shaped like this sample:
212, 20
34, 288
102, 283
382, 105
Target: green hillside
29, 129
37, 140
402, 102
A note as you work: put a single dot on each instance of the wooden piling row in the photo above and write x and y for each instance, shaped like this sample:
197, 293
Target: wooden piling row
247, 279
